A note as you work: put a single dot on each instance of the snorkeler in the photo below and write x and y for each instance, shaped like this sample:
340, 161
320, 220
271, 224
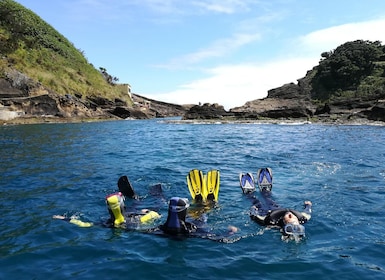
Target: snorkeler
175, 224
270, 214
120, 217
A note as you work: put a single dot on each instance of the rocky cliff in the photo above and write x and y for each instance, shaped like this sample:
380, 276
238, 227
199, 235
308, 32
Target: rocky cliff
292, 102
347, 86
23, 100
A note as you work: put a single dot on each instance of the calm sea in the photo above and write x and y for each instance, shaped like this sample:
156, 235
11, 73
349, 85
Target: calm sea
50, 169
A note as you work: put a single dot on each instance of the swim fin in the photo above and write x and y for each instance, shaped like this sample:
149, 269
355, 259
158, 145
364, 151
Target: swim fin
265, 179
211, 185
126, 188
195, 183
246, 180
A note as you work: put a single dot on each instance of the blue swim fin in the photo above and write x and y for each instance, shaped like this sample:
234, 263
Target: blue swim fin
265, 179
246, 181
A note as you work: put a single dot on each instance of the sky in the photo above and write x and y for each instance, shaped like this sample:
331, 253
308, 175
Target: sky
210, 51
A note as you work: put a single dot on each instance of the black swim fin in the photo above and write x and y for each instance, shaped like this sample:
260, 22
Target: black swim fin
126, 188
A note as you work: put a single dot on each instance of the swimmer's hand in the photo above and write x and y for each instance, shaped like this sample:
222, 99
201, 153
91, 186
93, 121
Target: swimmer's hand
308, 202
73, 220
232, 229
59, 217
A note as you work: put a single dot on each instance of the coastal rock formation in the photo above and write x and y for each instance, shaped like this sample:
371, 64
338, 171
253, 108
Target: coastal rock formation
293, 102
206, 112
24, 99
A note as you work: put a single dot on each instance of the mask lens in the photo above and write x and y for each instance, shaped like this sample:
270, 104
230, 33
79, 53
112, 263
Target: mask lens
179, 208
298, 230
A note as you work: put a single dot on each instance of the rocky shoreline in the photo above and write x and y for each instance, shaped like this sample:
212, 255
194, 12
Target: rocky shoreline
23, 101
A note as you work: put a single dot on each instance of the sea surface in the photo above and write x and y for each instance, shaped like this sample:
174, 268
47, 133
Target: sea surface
68, 169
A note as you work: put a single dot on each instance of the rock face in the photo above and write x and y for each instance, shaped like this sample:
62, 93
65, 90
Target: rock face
207, 112
293, 102
24, 99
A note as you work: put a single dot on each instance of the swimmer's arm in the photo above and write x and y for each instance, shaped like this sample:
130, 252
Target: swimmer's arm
228, 237
307, 211
73, 220
256, 215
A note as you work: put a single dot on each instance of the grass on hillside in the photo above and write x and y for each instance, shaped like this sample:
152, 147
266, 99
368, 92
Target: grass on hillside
31, 46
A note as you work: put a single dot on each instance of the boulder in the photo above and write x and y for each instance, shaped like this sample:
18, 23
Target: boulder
206, 112
377, 112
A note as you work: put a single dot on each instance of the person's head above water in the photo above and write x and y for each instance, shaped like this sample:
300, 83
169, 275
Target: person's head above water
290, 218
292, 226
178, 207
177, 210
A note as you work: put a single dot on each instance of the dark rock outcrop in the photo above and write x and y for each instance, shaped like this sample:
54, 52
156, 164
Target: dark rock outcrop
158, 109
128, 113
206, 112
377, 112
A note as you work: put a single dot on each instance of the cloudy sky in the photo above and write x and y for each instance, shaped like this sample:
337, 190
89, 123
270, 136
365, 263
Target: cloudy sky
217, 51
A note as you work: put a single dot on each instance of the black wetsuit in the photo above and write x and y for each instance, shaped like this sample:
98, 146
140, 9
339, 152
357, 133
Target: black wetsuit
271, 214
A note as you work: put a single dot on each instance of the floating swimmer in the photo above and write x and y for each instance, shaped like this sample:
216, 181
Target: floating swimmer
119, 216
269, 213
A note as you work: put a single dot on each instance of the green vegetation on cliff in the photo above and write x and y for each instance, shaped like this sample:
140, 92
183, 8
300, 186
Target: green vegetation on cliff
353, 70
33, 47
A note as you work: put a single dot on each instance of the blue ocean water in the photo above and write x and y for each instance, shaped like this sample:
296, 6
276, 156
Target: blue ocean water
49, 169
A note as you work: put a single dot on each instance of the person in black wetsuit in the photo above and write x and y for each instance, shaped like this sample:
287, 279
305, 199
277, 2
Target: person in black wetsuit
269, 213
288, 220
120, 215
176, 224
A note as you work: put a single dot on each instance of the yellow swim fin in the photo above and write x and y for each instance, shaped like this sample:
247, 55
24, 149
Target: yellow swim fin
211, 185
149, 217
80, 223
195, 183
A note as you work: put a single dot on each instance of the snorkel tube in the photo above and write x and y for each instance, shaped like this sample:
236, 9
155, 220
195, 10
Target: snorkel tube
115, 204
177, 211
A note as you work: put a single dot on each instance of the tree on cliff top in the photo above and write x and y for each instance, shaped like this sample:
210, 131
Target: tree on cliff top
344, 69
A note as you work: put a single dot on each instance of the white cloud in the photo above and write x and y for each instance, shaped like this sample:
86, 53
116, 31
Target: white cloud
329, 39
218, 48
223, 6
234, 85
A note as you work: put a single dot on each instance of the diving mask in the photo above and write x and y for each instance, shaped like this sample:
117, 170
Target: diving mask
296, 230
178, 204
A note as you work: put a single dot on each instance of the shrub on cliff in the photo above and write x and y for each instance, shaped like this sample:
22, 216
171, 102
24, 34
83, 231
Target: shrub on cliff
354, 69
